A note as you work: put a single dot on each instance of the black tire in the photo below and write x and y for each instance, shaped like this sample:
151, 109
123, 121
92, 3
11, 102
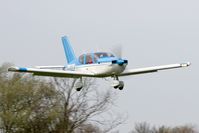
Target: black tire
121, 88
115, 87
78, 89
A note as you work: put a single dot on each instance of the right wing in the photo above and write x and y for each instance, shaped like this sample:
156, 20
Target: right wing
152, 69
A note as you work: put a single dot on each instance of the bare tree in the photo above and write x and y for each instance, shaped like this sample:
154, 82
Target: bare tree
80, 108
29, 104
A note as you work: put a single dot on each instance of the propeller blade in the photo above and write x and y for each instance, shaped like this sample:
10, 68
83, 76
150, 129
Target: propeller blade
117, 50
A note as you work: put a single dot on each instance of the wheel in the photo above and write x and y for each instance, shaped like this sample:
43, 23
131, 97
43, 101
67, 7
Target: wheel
121, 85
78, 86
78, 89
115, 87
121, 88
118, 84
115, 84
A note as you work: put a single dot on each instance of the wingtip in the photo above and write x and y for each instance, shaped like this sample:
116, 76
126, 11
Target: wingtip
17, 69
186, 64
13, 68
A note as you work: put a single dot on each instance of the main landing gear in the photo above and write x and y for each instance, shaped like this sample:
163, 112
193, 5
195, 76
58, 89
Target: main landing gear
79, 85
117, 84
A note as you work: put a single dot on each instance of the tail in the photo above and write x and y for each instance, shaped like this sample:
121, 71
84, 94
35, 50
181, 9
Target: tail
70, 55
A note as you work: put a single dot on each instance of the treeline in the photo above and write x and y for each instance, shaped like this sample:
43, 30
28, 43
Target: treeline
146, 128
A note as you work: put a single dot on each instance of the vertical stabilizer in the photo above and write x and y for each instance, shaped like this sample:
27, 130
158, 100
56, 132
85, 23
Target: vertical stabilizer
70, 55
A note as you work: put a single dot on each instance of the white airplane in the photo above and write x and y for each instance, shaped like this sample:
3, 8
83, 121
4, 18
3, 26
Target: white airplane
98, 65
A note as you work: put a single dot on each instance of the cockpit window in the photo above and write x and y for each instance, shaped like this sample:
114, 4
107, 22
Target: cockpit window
81, 59
102, 55
89, 59
93, 57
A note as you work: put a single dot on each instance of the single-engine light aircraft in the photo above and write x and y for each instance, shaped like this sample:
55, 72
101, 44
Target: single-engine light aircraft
98, 65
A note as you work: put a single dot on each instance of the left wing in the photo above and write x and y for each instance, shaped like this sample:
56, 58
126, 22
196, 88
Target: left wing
50, 67
152, 69
52, 72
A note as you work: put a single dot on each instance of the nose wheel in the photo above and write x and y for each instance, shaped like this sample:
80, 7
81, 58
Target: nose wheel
117, 84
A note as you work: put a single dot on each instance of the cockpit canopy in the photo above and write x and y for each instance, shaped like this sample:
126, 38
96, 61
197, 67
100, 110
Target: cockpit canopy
92, 58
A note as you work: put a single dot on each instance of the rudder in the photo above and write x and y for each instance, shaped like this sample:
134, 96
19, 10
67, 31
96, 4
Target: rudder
69, 53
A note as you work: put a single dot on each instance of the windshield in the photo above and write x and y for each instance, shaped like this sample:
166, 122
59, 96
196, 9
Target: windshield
103, 54
91, 58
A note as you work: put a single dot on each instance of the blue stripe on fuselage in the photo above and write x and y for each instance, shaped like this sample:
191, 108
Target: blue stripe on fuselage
106, 59
93, 64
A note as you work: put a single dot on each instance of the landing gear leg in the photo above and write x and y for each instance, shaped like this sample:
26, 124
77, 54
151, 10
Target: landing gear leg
79, 85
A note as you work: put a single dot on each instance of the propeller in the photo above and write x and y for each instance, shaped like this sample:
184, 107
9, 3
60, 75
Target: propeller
117, 50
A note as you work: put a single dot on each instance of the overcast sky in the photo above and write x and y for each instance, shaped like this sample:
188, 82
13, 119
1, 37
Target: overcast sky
151, 32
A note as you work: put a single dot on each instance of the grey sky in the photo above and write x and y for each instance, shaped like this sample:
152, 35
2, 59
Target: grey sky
151, 32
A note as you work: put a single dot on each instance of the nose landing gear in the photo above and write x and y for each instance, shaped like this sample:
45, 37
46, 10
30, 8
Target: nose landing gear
117, 84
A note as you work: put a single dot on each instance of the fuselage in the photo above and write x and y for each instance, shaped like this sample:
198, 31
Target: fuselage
101, 63
103, 69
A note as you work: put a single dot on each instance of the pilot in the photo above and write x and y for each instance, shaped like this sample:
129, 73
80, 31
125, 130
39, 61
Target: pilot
89, 60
